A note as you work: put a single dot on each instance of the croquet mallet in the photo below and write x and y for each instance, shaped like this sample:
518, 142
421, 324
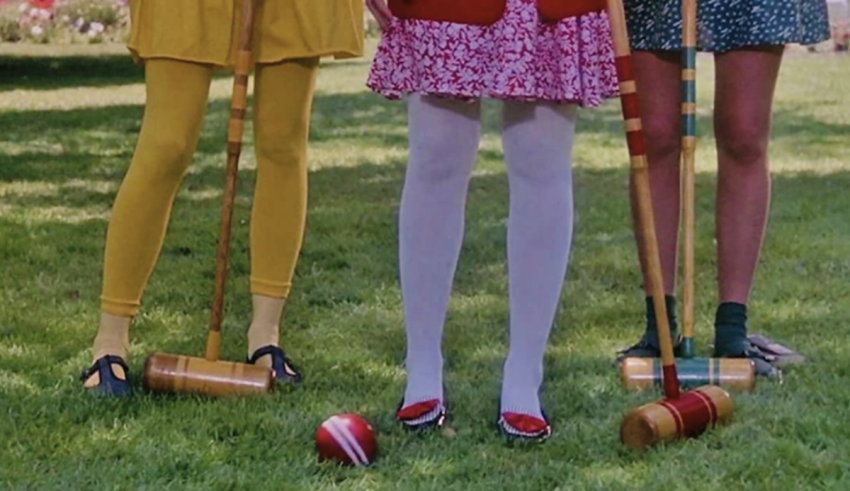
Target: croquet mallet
209, 375
689, 145
734, 373
679, 414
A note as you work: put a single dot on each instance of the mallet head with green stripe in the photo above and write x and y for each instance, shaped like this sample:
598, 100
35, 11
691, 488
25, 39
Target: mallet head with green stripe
645, 373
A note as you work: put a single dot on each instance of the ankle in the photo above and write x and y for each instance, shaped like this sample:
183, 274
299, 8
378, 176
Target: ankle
265, 323
521, 384
520, 399
730, 329
100, 353
423, 384
262, 336
651, 334
518, 372
113, 337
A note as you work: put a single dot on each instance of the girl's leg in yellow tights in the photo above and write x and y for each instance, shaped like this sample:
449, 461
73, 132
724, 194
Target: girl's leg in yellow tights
282, 106
177, 93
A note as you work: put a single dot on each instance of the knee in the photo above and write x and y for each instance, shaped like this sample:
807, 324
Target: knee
170, 155
282, 147
440, 158
663, 140
434, 170
742, 144
552, 168
538, 156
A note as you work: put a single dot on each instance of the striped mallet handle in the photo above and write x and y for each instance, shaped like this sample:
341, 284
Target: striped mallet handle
689, 125
640, 179
238, 107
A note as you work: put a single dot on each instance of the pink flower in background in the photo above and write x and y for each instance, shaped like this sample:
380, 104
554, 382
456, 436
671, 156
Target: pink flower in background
95, 29
49, 20
43, 4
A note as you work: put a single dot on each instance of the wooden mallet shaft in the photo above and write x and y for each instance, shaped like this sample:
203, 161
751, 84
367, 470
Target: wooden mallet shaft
208, 375
689, 141
235, 130
640, 180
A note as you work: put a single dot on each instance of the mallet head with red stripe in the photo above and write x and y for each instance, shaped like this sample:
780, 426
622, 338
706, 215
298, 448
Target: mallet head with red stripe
347, 439
687, 416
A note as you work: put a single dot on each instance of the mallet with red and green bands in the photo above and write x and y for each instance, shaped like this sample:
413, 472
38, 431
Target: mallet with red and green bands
689, 144
679, 414
641, 373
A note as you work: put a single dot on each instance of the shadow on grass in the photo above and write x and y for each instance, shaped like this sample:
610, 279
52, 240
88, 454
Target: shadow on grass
53, 72
793, 125
49, 73
55, 145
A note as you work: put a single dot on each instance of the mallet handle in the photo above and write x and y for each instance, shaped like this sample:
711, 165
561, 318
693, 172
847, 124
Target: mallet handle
238, 107
640, 179
689, 142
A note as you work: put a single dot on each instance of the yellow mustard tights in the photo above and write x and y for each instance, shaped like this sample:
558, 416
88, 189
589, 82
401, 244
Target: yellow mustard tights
177, 94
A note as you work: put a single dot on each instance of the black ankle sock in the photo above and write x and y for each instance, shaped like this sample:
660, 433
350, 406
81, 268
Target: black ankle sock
730, 329
652, 321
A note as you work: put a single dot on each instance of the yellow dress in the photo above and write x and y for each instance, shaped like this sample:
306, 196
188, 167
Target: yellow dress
206, 31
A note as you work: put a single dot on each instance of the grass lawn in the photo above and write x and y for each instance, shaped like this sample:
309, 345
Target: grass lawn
68, 126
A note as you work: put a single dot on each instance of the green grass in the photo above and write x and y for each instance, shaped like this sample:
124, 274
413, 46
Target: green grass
67, 130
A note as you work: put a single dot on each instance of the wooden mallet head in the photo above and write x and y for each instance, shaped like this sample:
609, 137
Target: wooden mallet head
677, 415
209, 376
733, 373
187, 374
687, 416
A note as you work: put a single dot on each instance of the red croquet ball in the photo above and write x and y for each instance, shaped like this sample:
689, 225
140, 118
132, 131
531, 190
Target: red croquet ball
347, 439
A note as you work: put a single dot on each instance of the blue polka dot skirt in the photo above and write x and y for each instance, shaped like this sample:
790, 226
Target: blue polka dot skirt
726, 25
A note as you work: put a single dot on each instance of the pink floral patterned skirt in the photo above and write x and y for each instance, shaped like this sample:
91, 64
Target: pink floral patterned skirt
518, 58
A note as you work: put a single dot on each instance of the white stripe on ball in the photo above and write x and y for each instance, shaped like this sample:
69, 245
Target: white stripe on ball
334, 429
342, 425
